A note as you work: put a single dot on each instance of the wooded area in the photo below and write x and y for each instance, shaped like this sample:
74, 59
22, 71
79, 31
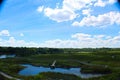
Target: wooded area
26, 51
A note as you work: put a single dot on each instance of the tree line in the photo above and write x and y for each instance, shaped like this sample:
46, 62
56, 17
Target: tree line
26, 51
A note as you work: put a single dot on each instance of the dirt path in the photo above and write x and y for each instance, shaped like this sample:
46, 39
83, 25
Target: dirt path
89, 64
8, 76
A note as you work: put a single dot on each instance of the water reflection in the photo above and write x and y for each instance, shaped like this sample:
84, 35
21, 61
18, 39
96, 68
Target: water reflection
33, 70
6, 56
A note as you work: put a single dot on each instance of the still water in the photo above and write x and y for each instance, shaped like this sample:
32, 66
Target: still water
6, 56
33, 70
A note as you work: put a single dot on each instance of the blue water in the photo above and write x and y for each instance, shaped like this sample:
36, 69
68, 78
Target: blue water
6, 56
33, 70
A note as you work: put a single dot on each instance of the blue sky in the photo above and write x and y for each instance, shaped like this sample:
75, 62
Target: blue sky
60, 23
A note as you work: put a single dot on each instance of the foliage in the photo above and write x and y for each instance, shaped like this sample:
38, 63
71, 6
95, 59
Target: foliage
53, 76
95, 69
24, 51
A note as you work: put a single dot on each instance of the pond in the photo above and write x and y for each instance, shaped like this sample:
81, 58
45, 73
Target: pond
6, 56
33, 70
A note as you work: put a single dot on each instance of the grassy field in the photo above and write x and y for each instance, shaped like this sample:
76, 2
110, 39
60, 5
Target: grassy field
96, 63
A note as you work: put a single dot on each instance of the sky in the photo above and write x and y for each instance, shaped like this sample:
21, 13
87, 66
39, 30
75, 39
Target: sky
60, 23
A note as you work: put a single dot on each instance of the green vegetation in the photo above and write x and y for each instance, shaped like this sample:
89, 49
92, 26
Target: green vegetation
24, 51
53, 76
1, 77
99, 60
95, 69
10, 68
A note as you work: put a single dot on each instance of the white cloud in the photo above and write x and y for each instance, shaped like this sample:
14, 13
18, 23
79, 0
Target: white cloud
112, 1
100, 3
76, 4
81, 40
100, 36
21, 34
100, 20
86, 12
69, 7
17, 43
67, 11
117, 38
4, 33
78, 40
81, 36
60, 15
40, 8
76, 23
103, 3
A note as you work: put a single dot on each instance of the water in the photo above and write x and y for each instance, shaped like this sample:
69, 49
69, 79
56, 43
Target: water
6, 56
33, 70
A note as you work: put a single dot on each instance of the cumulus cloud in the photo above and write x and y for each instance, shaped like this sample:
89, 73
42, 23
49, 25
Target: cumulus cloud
60, 15
4, 33
87, 12
112, 1
84, 41
69, 7
81, 36
100, 3
17, 43
78, 40
103, 3
100, 20
40, 8
76, 4
67, 11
